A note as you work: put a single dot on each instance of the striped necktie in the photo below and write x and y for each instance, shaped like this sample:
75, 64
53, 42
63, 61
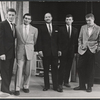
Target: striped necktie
50, 31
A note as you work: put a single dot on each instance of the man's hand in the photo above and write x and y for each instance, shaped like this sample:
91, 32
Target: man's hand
41, 53
83, 47
3, 57
59, 53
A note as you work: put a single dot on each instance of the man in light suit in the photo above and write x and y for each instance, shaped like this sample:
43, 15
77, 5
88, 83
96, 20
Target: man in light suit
89, 44
48, 50
7, 49
26, 39
68, 47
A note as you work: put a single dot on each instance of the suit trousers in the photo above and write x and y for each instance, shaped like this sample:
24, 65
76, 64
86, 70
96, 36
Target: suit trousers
86, 68
6, 74
23, 68
53, 62
65, 68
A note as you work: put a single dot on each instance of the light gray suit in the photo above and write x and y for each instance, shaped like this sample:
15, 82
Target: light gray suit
24, 53
92, 41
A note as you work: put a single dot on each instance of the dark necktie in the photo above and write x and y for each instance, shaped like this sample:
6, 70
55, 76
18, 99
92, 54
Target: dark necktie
13, 29
68, 30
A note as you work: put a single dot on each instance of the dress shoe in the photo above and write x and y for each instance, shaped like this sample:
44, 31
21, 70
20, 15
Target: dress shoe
26, 90
80, 88
67, 85
16, 93
89, 89
45, 89
60, 88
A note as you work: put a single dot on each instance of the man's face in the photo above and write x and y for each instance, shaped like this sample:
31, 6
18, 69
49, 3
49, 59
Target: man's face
27, 20
90, 21
69, 20
48, 18
11, 16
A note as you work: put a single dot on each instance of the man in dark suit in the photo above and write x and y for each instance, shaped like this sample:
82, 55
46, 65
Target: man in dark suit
7, 49
89, 44
48, 49
68, 47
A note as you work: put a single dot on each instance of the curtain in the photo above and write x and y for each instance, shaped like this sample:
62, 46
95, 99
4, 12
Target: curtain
17, 5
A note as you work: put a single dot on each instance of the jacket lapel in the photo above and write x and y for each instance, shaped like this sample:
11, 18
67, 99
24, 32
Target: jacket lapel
93, 32
94, 29
21, 33
86, 31
65, 31
9, 28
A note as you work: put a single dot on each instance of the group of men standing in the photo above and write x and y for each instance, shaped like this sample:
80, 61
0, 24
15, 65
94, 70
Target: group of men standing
53, 43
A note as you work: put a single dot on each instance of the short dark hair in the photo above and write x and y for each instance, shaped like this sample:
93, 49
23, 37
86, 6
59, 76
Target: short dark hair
11, 10
69, 15
90, 15
27, 14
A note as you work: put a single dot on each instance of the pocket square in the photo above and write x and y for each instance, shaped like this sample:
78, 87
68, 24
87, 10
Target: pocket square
56, 30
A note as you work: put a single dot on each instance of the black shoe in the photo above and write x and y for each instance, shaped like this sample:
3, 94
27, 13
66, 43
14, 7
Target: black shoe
89, 89
67, 85
80, 88
16, 93
26, 90
45, 89
60, 88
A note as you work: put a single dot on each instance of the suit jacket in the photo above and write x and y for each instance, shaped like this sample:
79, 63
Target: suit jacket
92, 42
7, 40
46, 43
68, 44
28, 45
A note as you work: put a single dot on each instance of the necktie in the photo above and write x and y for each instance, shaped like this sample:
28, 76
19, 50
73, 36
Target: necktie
50, 31
68, 30
25, 33
13, 29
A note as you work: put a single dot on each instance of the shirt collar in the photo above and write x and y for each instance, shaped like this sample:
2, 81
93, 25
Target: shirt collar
26, 25
91, 26
9, 22
48, 23
68, 25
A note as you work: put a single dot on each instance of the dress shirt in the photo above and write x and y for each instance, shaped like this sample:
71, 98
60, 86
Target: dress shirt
26, 27
90, 29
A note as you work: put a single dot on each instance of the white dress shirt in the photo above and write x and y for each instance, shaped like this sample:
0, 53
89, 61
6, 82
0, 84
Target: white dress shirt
26, 29
90, 29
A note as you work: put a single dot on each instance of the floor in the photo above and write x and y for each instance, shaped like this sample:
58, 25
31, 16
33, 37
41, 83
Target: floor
36, 86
